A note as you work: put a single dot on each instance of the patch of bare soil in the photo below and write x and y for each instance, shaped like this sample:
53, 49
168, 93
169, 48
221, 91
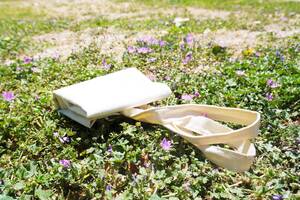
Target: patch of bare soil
110, 41
241, 39
86, 9
281, 31
200, 13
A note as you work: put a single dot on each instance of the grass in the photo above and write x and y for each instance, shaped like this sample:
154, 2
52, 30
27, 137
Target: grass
265, 6
122, 158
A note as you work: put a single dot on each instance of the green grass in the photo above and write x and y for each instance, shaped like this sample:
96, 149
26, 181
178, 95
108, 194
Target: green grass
137, 167
254, 5
30, 152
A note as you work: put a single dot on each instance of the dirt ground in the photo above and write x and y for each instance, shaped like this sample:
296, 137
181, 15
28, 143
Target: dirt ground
112, 40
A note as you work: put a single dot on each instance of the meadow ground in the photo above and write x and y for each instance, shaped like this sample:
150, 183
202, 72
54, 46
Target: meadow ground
230, 53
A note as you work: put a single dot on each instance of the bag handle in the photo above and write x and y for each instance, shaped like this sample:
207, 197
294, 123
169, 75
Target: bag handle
196, 124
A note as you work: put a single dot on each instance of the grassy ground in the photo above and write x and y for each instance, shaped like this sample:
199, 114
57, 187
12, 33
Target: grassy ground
238, 48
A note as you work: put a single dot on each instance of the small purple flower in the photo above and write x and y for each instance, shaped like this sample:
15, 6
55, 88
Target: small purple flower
109, 149
165, 144
8, 95
168, 78
272, 84
144, 50
105, 65
65, 139
151, 60
56, 134
240, 72
148, 40
146, 164
27, 60
35, 70
182, 46
187, 58
162, 43
257, 54
131, 49
269, 96
186, 186
196, 94
189, 39
36, 97
19, 68
65, 163
279, 55
277, 197
108, 188
187, 97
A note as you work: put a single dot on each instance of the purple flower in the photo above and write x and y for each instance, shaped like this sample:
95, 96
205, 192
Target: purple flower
277, 197
148, 40
151, 60
272, 83
144, 50
269, 96
27, 60
162, 43
8, 95
187, 58
181, 45
35, 70
19, 68
187, 97
196, 94
64, 139
108, 188
186, 186
279, 55
109, 149
105, 65
167, 78
36, 97
189, 39
65, 163
240, 72
165, 144
55, 134
131, 49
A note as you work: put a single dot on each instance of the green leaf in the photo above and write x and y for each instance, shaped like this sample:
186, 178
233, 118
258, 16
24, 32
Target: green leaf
43, 194
155, 197
19, 185
4, 197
